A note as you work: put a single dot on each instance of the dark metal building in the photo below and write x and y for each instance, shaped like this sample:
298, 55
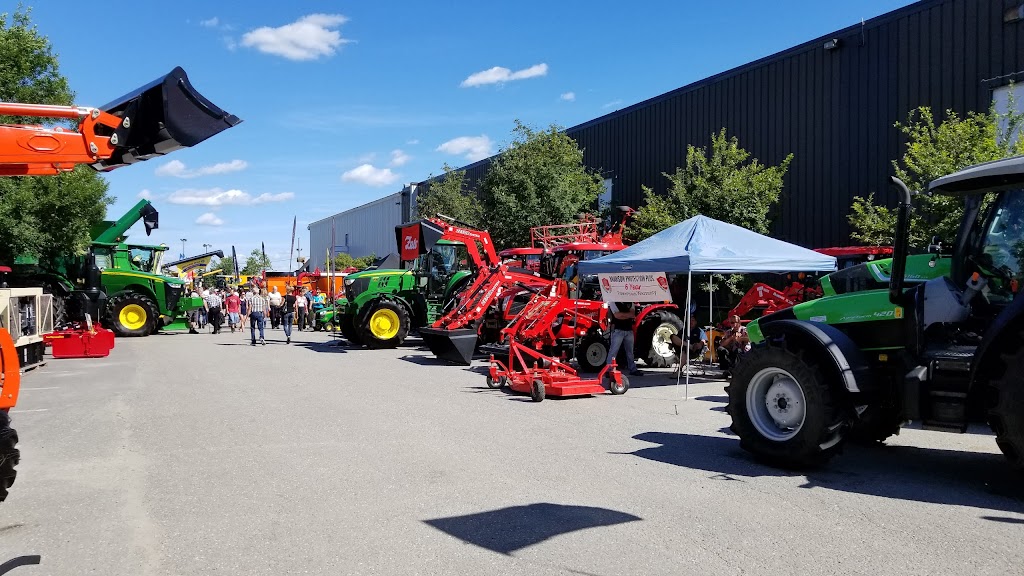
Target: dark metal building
832, 102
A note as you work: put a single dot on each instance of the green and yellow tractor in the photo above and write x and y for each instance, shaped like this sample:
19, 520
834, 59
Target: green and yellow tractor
930, 339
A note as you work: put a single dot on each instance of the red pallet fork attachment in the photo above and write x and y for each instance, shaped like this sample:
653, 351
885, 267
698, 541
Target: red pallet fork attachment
80, 343
10, 371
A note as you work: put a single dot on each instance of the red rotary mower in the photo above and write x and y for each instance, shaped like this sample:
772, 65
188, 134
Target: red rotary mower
547, 327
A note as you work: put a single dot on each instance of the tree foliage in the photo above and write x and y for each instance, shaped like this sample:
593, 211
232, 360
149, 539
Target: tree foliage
343, 260
538, 179
447, 195
934, 150
45, 216
722, 182
256, 263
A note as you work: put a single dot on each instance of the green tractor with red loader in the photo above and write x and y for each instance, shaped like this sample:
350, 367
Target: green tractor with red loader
942, 344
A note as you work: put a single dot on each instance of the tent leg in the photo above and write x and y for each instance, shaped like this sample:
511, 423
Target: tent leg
684, 350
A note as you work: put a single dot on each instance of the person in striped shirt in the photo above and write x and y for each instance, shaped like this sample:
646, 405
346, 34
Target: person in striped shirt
258, 305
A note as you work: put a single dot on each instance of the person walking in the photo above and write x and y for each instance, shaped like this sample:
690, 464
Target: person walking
233, 305
213, 304
275, 307
258, 305
623, 315
288, 315
243, 309
308, 294
300, 309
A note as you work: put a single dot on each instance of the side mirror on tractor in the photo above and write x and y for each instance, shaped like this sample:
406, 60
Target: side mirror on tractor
163, 116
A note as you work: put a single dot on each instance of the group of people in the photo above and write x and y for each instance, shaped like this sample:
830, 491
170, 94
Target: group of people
694, 343
254, 307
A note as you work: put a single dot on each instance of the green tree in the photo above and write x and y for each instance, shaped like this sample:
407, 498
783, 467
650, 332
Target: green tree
343, 260
934, 151
722, 183
41, 217
226, 264
538, 179
256, 263
447, 195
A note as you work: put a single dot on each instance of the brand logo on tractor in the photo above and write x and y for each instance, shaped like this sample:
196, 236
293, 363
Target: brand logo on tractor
412, 243
607, 285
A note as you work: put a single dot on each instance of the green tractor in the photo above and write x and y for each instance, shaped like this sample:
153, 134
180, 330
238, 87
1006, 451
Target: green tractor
942, 344
139, 300
382, 305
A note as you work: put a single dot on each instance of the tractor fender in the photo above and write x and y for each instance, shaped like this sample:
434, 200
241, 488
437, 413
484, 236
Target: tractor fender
827, 344
646, 311
1001, 336
142, 289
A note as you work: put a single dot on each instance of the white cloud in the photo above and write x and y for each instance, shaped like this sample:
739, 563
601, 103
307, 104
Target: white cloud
399, 158
220, 197
499, 75
308, 38
211, 23
612, 104
145, 194
474, 147
209, 219
412, 142
568, 97
369, 175
177, 169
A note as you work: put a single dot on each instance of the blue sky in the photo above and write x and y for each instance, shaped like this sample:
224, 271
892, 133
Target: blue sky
343, 102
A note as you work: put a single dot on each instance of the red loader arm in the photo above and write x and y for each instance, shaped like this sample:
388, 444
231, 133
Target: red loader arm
488, 286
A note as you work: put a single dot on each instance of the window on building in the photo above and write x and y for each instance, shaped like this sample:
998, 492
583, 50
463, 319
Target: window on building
606, 196
346, 239
1001, 98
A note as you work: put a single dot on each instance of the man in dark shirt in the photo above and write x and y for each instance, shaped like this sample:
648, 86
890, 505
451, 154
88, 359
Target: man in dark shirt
288, 315
622, 334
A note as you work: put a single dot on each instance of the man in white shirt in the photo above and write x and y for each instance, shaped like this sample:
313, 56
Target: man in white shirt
276, 301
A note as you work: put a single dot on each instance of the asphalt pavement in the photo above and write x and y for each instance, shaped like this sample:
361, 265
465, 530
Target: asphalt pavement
199, 454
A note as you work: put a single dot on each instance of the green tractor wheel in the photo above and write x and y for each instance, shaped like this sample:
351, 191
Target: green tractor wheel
347, 323
131, 314
386, 325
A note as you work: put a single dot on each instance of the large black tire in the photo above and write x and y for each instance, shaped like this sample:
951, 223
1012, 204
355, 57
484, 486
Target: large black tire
537, 391
1006, 406
9, 454
388, 312
803, 424
137, 303
652, 338
592, 353
348, 329
875, 425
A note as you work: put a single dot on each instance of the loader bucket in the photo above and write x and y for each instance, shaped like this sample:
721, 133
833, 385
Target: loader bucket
163, 116
455, 346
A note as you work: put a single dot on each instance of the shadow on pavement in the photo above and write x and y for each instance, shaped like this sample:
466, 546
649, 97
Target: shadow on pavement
19, 561
509, 529
901, 472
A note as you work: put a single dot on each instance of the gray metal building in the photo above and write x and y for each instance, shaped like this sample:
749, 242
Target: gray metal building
831, 101
363, 230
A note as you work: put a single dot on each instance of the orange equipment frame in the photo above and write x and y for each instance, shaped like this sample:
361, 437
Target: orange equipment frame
34, 150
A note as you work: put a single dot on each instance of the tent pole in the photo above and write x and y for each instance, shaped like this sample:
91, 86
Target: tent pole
684, 350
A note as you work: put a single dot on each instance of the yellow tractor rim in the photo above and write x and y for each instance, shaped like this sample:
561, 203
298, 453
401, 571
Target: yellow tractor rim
384, 324
133, 317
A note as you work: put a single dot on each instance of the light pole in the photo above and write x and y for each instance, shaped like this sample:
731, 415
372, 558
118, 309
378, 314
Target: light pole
207, 247
183, 240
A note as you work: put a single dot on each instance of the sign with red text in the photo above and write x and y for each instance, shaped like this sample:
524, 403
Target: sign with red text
634, 287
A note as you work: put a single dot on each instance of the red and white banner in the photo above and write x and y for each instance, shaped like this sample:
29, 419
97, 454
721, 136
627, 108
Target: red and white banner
634, 287
410, 242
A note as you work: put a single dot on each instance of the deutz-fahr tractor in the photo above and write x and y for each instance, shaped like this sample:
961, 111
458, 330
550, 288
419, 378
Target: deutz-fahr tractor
945, 349
382, 305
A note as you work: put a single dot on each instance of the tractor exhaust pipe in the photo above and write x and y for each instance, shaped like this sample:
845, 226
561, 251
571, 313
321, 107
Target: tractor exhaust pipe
901, 243
454, 346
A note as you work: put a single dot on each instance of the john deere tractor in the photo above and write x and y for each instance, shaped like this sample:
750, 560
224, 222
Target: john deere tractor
945, 350
382, 305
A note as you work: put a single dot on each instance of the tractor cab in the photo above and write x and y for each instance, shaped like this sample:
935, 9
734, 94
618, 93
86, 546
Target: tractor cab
146, 258
525, 258
563, 260
436, 268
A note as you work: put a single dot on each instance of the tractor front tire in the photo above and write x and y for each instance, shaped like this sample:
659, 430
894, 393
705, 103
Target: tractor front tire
349, 330
784, 410
131, 314
653, 338
592, 353
875, 425
9, 454
386, 325
1006, 407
